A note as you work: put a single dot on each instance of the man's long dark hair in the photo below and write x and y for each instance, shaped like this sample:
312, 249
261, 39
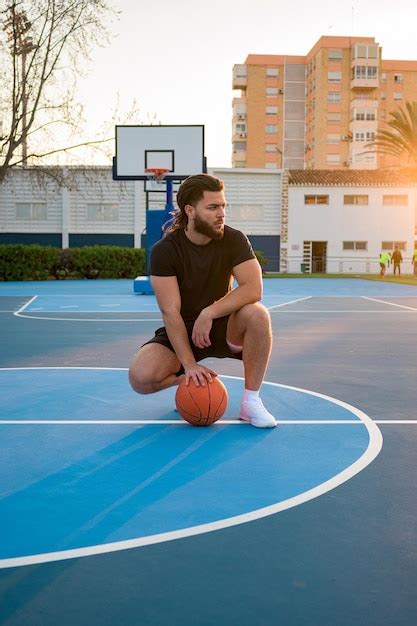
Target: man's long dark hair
191, 192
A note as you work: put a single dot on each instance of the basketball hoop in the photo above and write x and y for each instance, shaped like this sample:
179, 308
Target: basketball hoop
157, 174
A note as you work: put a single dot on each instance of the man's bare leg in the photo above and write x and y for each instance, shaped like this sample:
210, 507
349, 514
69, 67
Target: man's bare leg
250, 327
154, 368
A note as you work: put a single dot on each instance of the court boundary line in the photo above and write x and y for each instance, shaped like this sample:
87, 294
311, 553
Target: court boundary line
346, 311
277, 306
22, 308
402, 306
220, 422
373, 449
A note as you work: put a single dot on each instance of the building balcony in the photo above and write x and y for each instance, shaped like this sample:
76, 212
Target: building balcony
239, 136
364, 83
364, 102
239, 155
239, 77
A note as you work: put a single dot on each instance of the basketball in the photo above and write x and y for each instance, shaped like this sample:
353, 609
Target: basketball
201, 406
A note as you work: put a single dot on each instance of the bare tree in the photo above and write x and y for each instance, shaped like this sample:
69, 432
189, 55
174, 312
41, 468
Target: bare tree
44, 48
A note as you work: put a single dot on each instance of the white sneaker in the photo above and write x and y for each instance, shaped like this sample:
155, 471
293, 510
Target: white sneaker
255, 413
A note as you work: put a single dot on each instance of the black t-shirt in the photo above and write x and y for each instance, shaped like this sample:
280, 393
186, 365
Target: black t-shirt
204, 273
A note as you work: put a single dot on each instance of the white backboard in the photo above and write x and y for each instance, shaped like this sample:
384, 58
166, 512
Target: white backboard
177, 148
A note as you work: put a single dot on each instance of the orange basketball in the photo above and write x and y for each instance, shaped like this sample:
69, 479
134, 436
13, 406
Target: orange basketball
201, 406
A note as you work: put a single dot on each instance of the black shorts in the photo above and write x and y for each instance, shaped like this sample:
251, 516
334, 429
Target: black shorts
219, 347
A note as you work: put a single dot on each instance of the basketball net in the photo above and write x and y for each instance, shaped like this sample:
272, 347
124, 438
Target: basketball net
157, 174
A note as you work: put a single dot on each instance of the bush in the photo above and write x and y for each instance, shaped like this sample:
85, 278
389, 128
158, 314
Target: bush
26, 262
105, 262
262, 260
35, 262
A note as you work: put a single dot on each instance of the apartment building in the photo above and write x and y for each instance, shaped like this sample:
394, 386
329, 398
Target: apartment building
320, 110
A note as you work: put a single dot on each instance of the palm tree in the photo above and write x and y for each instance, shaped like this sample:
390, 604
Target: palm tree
401, 139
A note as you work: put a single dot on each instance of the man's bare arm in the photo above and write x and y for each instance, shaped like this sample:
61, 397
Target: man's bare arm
169, 301
249, 278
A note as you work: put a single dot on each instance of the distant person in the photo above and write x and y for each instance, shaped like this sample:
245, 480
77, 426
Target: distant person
384, 261
397, 260
414, 262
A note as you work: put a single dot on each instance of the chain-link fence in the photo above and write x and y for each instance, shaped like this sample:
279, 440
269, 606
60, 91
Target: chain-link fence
341, 265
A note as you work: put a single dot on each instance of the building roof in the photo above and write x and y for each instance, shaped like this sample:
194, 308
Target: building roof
354, 178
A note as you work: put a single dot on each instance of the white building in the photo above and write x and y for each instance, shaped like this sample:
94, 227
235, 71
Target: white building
340, 221
90, 208
327, 221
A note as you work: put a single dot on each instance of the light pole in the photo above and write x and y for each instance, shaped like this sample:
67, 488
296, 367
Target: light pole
17, 27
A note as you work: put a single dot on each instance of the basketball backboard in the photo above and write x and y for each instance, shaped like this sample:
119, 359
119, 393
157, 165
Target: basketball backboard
179, 149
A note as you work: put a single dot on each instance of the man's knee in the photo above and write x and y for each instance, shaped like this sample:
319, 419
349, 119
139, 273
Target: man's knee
139, 381
253, 317
258, 315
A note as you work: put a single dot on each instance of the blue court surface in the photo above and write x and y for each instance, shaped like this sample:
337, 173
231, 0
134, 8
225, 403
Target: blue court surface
113, 510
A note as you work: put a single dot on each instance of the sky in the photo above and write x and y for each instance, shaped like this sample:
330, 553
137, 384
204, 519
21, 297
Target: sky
176, 57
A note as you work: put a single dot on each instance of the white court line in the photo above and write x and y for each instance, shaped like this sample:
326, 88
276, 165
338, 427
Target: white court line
346, 311
164, 422
402, 306
92, 319
372, 451
290, 302
184, 423
22, 308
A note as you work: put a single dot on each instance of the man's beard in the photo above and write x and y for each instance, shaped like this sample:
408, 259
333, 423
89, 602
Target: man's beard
200, 226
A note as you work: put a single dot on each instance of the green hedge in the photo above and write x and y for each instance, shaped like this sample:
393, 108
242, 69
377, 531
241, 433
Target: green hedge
35, 262
262, 260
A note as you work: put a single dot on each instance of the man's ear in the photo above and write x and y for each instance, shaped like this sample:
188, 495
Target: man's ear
189, 211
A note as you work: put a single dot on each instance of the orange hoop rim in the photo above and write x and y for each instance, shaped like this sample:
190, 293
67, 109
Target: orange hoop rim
157, 173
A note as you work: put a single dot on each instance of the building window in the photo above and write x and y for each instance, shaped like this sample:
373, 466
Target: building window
364, 114
271, 128
398, 95
355, 199
272, 71
333, 138
395, 200
364, 135
334, 117
333, 159
398, 78
383, 77
102, 212
313, 199
362, 51
31, 211
334, 55
383, 95
334, 96
355, 245
334, 77
271, 110
365, 72
271, 92
391, 245
271, 166
240, 70
271, 147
